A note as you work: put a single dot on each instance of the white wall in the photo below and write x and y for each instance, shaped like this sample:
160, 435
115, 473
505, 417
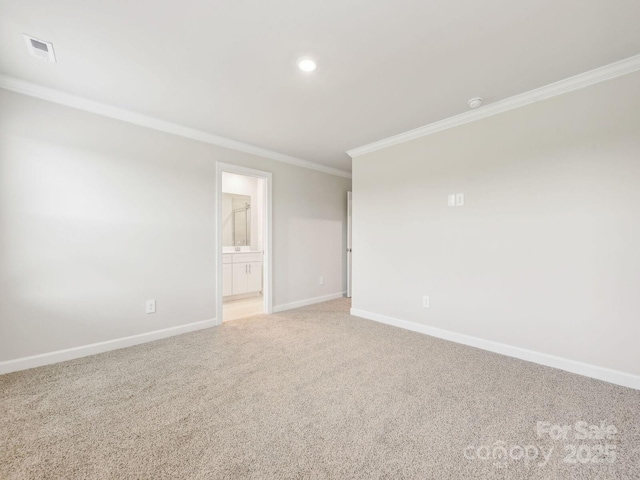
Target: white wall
544, 256
98, 215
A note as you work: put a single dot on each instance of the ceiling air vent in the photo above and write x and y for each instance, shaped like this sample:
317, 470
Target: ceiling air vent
39, 48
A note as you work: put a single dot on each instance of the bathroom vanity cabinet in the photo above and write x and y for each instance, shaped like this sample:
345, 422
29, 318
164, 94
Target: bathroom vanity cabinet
241, 273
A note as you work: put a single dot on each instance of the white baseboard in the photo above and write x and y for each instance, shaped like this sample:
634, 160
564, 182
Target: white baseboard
573, 366
94, 348
308, 301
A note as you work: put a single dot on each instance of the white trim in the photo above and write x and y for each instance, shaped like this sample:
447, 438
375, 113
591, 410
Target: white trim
56, 96
308, 301
267, 264
349, 243
601, 373
100, 347
607, 72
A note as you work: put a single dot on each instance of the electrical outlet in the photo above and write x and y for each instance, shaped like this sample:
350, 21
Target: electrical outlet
151, 306
425, 301
451, 200
459, 199
321, 280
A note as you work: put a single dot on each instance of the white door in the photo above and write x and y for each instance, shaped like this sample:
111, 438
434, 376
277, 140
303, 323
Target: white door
349, 211
240, 275
254, 279
227, 279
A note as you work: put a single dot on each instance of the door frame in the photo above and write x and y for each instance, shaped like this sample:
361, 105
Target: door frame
349, 243
267, 236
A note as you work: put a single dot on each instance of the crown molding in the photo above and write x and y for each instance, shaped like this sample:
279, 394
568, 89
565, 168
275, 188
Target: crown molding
601, 74
62, 98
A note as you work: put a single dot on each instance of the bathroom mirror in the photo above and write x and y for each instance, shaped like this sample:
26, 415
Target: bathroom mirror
236, 220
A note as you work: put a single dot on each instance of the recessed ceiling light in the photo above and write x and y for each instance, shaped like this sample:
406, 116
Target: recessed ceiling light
306, 64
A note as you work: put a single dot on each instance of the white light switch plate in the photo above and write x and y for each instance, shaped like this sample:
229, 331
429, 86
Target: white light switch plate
459, 199
451, 200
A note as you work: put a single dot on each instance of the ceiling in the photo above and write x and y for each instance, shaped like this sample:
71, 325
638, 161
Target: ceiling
384, 66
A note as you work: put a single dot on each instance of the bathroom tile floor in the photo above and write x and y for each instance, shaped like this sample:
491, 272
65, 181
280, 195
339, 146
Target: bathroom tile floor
247, 307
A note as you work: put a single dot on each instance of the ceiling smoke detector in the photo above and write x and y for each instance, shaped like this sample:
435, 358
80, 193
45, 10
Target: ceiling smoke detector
475, 102
40, 49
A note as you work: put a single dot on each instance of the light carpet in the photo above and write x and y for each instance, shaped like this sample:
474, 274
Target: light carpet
310, 393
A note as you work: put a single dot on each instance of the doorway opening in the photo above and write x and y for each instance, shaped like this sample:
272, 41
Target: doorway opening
244, 242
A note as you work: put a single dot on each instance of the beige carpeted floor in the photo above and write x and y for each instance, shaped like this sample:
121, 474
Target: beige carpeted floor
310, 393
